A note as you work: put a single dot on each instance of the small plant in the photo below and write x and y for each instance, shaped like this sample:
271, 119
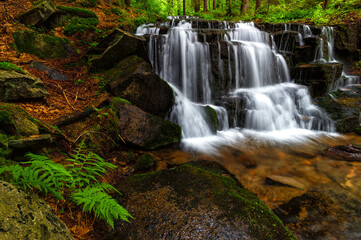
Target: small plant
11, 67
77, 181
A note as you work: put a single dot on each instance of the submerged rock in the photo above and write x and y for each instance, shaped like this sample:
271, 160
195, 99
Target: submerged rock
133, 79
194, 201
345, 153
17, 86
26, 216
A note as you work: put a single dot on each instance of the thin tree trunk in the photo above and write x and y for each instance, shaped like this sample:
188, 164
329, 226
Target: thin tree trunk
197, 5
325, 4
184, 7
205, 6
244, 6
258, 5
214, 5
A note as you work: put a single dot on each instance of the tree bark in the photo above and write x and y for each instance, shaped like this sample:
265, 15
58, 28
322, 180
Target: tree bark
325, 4
258, 5
229, 6
184, 7
197, 5
214, 5
205, 6
244, 6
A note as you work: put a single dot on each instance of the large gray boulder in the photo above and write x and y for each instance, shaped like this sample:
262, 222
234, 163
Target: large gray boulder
38, 14
134, 80
16, 86
26, 216
197, 200
144, 129
115, 47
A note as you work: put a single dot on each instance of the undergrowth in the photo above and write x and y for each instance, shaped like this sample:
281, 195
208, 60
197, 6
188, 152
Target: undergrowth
79, 181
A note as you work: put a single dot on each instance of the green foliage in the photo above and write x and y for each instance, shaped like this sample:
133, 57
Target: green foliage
11, 67
77, 181
80, 25
89, 3
80, 12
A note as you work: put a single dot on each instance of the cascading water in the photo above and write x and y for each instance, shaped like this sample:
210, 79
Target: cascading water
251, 76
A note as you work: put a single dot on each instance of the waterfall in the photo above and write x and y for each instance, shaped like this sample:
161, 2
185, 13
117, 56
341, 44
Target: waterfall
236, 70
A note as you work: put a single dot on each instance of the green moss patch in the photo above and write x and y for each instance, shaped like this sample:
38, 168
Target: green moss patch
11, 67
80, 12
144, 162
80, 25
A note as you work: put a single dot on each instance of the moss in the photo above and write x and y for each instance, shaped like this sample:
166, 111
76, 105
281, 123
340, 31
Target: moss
358, 130
131, 158
89, 3
144, 162
80, 25
11, 67
41, 45
211, 118
74, 11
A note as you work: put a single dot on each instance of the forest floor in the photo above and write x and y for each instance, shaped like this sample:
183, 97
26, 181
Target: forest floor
66, 96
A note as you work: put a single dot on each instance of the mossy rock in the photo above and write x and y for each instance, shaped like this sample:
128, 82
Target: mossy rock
80, 25
74, 11
11, 67
195, 201
144, 162
41, 45
211, 118
38, 14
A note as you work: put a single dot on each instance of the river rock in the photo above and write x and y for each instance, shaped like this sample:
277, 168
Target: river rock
144, 129
115, 47
345, 153
16, 86
41, 45
194, 201
318, 77
133, 79
26, 216
38, 14
344, 107
50, 72
288, 181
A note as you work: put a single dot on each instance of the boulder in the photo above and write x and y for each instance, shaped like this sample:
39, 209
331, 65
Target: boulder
318, 77
31, 142
133, 79
143, 129
198, 200
26, 216
115, 47
287, 40
38, 14
211, 118
344, 107
348, 42
41, 45
16, 86
50, 72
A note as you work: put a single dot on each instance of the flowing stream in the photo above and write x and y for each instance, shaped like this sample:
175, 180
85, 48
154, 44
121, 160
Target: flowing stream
238, 68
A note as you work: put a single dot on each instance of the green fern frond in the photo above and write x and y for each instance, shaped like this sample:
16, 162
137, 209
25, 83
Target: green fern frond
95, 199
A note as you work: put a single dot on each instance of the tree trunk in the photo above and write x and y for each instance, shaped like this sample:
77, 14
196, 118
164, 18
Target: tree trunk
205, 6
229, 6
244, 6
258, 5
127, 3
214, 5
197, 5
184, 7
325, 4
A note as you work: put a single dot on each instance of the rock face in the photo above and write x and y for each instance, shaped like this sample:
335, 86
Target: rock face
319, 78
133, 80
344, 106
144, 129
115, 47
16, 86
194, 201
348, 42
25, 216
38, 14
41, 45
286, 40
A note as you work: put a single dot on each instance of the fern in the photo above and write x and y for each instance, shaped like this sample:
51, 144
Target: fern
95, 199
80, 177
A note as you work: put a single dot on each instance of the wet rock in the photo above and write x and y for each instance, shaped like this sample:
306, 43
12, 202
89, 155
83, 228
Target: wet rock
17, 86
348, 42
133, 79
344, 107
38, 14
211, 118
115, 47
26, 216
194, 201
287, 181
41, 45
345, 153
144, 129
31, 142
318, 77
310, 216
51, 73
163, 30
144, 162
287, 40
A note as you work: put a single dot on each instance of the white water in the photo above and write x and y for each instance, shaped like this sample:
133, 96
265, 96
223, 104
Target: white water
274, 108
